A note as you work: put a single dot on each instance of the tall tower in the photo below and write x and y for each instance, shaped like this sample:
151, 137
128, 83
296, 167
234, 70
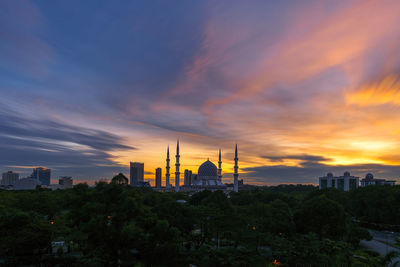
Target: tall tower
42, 174
167, 184
136, 173
219, 166
158, 178
236, 174
177, 165
187, 180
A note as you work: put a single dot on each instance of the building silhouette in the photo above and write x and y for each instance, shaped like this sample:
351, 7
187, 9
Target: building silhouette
158, 177
9, 178
43, 175
345, 182
136, 173
28, 183
187, 180
208, 176
370, 180
66, 182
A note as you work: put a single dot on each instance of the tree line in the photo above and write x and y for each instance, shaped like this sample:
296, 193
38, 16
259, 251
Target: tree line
117, 225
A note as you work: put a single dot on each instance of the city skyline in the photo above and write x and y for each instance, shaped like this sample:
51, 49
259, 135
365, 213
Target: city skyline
304, 88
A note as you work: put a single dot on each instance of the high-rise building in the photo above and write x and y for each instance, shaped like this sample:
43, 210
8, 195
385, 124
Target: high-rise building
187, 180
136, 173
66, 182
9, 178
158, 177
43, 175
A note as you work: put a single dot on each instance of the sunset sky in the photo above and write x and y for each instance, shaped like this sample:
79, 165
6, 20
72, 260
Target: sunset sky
303, 87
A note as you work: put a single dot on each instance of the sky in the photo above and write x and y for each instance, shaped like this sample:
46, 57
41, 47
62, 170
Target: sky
303, 87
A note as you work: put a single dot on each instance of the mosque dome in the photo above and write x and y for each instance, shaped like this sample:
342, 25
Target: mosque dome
207, 169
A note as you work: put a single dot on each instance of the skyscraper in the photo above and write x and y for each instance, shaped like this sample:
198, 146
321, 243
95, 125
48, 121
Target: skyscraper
9, 178
236, 174
177, 165
158, 177
136, 173
187, 180
42, 174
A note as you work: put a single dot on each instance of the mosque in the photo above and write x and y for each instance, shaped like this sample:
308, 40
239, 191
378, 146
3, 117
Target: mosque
208, 175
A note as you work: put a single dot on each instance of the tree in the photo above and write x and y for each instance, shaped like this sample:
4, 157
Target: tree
322, 216
120, 179
24, 237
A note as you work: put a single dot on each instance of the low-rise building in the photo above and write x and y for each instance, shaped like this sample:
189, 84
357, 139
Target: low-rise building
343, 183
66, 182
9, 178
26, 184
370, 180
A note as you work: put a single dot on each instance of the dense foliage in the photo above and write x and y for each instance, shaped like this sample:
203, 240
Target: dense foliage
114, 224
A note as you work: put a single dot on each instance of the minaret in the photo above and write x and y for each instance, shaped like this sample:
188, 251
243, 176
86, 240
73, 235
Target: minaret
167, 184
177, 165
236, 174
219, 166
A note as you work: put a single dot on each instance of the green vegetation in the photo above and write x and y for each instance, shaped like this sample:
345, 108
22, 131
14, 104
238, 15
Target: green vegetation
114, 224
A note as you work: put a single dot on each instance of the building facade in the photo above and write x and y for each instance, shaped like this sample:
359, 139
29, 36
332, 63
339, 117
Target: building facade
158, 177
26, 184
370, 180
9, 178
136, 173
342, 183
187, 177
43, 175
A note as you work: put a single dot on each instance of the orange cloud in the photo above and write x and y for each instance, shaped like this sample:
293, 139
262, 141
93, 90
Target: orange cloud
386, 91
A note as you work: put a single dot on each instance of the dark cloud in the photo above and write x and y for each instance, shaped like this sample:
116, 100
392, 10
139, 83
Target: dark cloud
310, 168
78, 150
304, 158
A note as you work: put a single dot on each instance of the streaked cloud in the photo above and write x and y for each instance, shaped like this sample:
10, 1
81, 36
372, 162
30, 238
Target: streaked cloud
50, 143
386, 91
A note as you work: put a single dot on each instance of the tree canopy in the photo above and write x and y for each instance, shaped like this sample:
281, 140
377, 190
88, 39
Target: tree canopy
117, 225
